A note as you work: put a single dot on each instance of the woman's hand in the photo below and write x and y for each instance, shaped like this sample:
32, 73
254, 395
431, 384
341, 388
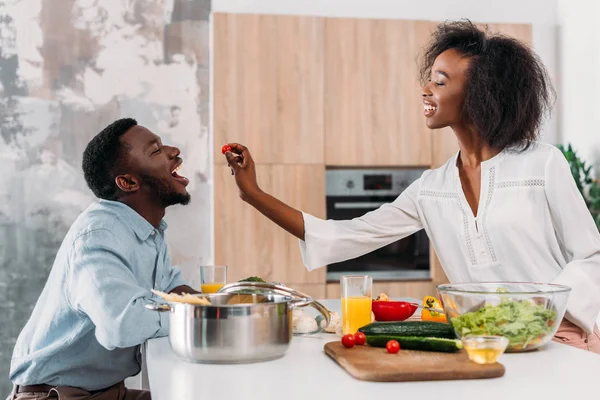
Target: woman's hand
242, 167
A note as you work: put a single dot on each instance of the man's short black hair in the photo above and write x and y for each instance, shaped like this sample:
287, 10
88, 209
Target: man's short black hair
507, 90
103, 159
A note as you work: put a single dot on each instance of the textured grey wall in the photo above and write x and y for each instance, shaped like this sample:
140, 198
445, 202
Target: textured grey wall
68, 68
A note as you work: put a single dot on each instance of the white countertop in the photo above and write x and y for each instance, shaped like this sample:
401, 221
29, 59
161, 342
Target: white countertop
555, 372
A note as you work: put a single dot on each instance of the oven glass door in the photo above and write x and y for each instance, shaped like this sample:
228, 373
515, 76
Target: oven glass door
405, 259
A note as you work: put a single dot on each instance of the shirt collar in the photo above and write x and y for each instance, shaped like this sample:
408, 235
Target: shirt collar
142, 228
484, 164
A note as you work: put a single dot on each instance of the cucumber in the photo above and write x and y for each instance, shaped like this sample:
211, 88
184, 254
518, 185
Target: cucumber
417, 343
405, 328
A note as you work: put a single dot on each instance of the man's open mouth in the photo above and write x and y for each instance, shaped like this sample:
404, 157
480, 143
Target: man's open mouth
181, 179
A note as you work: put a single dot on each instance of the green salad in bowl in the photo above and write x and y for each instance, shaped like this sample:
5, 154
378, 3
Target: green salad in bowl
527, 314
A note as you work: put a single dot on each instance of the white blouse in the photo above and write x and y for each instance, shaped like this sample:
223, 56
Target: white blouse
532, 225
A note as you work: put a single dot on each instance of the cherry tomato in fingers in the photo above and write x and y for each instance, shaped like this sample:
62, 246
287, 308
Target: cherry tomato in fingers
392, 346
360, 338
225, 149
348, 340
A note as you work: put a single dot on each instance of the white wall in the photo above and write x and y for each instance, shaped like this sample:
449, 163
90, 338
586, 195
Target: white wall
579, 67
540, 13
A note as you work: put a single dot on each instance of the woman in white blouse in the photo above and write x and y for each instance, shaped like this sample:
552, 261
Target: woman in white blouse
505, 207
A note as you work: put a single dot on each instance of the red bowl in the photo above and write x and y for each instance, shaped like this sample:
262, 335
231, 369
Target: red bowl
392, 310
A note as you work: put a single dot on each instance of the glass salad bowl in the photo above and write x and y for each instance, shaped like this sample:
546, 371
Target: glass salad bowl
527, 314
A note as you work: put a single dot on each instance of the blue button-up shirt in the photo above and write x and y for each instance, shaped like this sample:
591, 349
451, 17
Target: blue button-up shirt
88, 324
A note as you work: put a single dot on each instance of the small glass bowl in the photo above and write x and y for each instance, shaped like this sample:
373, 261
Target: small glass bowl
484, 349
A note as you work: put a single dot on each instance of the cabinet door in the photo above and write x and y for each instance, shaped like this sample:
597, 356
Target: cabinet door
268, 86
249, 243
373, 107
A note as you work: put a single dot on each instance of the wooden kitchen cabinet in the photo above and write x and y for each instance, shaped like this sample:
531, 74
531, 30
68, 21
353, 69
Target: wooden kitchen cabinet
249, 243
268, 86
373, 107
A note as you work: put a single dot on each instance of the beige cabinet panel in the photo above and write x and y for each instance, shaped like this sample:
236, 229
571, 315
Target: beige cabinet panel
249, 243
373, 108
268, 86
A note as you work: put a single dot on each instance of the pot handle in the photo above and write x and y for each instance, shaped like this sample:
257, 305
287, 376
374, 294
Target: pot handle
158, 307
299, 299
324, 312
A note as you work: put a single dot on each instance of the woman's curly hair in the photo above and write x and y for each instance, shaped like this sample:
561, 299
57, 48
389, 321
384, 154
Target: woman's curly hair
507, 91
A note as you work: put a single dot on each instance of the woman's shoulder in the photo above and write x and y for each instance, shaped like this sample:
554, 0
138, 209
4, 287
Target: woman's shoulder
535, 157
537, 148
441, 177
530, 165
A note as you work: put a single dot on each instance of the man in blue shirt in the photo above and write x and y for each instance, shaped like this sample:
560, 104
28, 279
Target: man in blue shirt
84, 335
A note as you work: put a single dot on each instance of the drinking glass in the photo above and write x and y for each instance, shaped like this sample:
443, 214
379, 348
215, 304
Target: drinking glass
212, 278
356, 302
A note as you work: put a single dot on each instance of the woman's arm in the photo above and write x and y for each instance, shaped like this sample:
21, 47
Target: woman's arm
244, 170
327, 241
580, 240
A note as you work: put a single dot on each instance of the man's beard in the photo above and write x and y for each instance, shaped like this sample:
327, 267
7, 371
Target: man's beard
163, 192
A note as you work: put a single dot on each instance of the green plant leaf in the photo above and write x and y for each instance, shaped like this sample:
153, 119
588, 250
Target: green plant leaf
583, 180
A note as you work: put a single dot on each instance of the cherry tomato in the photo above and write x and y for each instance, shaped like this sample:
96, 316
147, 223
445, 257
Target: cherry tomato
360, 338
392, 346
348, 340
225, 149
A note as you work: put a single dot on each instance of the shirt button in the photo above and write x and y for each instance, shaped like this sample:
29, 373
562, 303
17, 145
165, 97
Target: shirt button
153, 232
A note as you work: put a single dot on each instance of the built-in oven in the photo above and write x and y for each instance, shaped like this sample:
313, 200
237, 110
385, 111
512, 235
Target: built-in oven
353, 192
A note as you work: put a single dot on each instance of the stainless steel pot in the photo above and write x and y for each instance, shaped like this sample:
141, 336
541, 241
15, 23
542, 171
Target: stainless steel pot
245, 322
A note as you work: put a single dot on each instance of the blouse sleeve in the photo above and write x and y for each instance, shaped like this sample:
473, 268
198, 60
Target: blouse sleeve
580, 240
330, 241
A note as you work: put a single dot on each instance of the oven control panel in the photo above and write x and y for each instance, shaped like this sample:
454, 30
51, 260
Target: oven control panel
370, 182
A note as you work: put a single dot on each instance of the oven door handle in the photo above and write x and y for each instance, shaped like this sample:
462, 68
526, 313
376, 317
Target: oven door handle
358, 205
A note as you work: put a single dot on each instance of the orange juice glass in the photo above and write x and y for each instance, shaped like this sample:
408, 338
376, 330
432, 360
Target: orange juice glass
212, 278
356, 302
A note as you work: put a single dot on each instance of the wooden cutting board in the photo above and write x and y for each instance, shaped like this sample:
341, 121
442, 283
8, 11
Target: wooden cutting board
376, 364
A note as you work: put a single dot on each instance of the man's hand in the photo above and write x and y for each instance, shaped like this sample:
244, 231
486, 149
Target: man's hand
184, 289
